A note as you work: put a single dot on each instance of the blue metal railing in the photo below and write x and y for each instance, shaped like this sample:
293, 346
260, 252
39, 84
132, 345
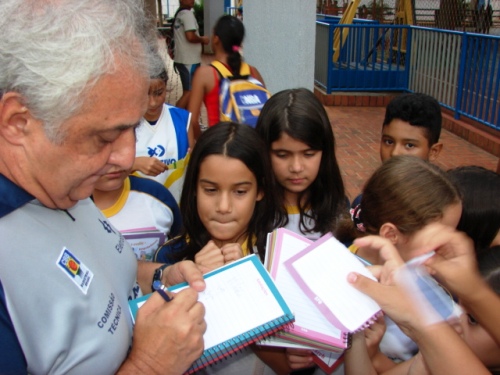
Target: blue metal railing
461, 70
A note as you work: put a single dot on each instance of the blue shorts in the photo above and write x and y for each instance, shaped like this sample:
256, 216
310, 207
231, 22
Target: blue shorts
186, 73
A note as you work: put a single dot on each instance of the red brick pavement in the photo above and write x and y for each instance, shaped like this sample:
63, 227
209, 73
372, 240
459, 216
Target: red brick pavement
357, 134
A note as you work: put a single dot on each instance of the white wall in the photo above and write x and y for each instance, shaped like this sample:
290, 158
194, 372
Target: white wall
280, 41
212, 10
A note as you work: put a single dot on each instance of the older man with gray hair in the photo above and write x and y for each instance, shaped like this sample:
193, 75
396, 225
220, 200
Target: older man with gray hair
74, 79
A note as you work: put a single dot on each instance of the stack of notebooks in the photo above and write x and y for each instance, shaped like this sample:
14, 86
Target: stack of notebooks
302, 300
312, 276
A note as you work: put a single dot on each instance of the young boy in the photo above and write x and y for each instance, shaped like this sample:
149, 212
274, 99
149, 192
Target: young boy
140, 205
163, 139
412, 126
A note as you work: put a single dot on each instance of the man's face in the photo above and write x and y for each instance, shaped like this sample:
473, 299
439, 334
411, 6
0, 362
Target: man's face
186, 3
99, 139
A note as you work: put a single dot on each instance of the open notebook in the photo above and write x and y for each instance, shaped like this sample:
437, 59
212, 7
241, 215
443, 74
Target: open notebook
242, 305
321, 272
310, 328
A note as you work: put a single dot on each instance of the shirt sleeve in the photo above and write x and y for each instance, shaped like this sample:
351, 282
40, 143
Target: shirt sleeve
12, 359
188, 20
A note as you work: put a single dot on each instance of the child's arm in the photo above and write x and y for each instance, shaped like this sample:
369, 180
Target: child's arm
299, 358
357, 359
284, 360
273, 357
149, 166
455, 266
373, 336
201, 81
443, 351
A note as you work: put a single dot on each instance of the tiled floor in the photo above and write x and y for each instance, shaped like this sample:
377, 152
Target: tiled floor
357, 132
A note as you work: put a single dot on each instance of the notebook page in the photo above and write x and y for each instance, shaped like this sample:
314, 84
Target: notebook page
236, 300
322, 271
308, 318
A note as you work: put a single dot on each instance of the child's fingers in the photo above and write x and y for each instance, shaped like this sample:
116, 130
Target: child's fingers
231, 252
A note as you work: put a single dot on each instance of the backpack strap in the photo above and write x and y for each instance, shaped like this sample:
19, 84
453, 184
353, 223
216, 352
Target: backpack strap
221, 69
226, 73
180, 119
244, 69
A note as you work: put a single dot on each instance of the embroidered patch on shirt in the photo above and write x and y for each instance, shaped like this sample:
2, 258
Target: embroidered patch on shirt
78, 272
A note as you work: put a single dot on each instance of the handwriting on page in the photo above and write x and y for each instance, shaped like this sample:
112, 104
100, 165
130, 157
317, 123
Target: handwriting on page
242, 302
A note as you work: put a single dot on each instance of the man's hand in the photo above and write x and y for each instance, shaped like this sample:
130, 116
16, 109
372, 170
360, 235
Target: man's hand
168, 336
185, 271
204, 40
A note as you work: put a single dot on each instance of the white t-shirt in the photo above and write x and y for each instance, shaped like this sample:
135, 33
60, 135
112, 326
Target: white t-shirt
167, 140
185, 51
294, 223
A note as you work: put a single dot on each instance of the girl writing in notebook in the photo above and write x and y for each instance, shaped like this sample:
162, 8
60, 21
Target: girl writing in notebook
402, 197
300, 141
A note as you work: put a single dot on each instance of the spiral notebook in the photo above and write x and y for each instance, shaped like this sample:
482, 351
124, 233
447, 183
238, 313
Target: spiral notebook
310, 327
321, 271
242, 305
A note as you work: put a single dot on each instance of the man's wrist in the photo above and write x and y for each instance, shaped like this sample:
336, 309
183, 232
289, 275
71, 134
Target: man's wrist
157, 277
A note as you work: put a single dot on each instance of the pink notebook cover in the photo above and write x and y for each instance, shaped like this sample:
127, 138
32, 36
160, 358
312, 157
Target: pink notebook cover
309, 321
321, 272
328, 361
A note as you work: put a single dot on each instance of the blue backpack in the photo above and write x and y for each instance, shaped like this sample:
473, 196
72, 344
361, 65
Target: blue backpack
241, 97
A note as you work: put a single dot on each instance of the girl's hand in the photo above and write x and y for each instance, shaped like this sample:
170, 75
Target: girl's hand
392, 297
149, 166
210, 256
231, 252
373, 336
454, 263
299, 358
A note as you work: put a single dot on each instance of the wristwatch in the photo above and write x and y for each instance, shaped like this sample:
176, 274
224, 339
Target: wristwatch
156, 284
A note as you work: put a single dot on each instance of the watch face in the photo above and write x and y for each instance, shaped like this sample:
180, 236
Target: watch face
156, 284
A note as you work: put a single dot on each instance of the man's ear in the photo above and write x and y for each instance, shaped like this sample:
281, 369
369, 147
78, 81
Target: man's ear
14, 117
391, 232
435, 151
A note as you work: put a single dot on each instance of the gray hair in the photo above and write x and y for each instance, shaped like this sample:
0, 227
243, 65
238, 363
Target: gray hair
52, 52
